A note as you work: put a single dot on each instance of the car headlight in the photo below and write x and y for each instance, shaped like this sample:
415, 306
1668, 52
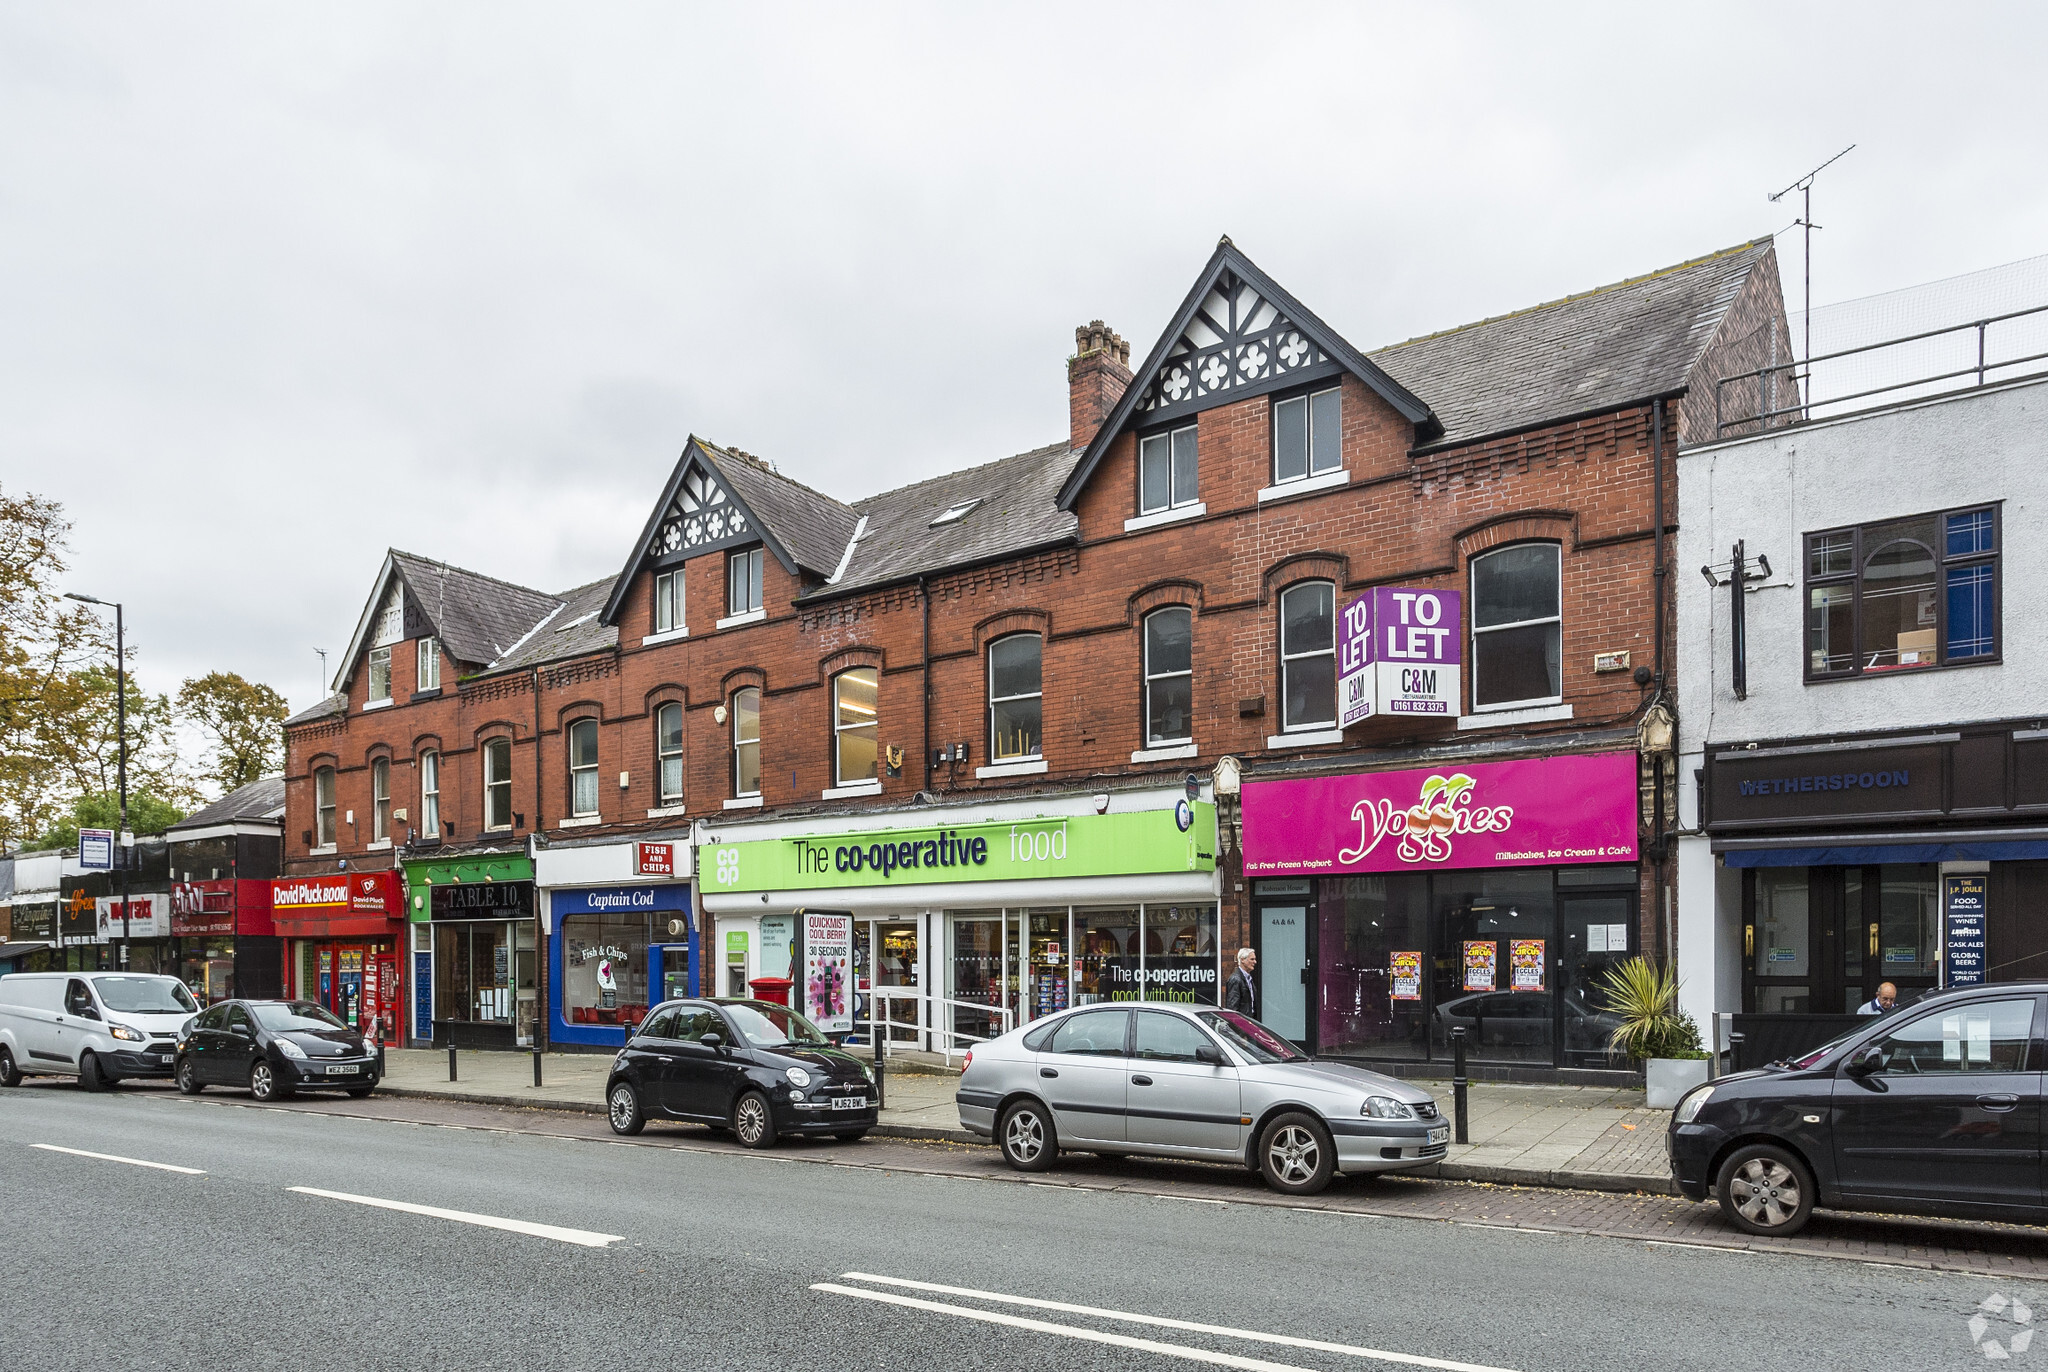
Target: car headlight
1387, 1108
799, 1077
290, 1049
122, 1031
1688, 1109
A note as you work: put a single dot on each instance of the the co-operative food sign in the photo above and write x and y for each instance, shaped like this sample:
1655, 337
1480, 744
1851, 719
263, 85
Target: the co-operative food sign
1398, 654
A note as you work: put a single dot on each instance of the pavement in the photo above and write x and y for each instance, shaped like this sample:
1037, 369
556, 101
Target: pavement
396, 1231
1596, 1138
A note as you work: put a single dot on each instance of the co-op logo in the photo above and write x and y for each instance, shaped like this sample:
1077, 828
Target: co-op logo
1423, 830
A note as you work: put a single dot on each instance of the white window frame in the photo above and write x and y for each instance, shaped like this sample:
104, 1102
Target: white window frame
429, 665
583, 773
840, 729
1334, 460
1164, 444
497, 783
323, 807
755, 560
1319, 726
669, 602
740, 743
1472, 594
1151, 676
379, 688
430, 794
995, 757
665, 755
380, 800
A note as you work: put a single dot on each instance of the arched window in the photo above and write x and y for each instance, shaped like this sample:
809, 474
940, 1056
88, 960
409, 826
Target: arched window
1308, 656
1016, 698
1169, 677
668, 753
380, 799
498, 784
583, 768
855, 697
430, 796
1517, 630
323, 807
746, 741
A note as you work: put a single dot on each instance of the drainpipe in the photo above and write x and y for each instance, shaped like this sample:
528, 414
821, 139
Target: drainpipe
1657, 497
1660, 851
540, 933
924, 676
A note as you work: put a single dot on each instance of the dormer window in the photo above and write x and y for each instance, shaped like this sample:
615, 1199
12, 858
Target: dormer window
380, 675
955, 513
430, 664
668, 602
1307, 436
1166, 470
743, 578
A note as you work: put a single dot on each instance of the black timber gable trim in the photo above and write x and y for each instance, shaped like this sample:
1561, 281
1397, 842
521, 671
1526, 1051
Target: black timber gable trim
646, 549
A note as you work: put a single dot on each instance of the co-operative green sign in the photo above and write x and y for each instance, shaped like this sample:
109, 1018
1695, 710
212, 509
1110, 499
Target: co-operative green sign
1146, 841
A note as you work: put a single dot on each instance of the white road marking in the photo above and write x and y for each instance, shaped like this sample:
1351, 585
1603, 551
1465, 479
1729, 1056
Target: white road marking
1191, 1326
1171, 1350
110, 1157
585, 1237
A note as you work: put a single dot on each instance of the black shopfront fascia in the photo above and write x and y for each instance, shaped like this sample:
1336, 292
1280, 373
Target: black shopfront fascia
482, 900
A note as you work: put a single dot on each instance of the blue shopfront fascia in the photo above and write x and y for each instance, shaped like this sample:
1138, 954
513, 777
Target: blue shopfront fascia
1851, 855
664, 900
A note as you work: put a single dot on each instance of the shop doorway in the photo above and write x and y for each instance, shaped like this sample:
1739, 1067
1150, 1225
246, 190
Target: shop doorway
1594, 932
895, 964
1282, 928
1820, 940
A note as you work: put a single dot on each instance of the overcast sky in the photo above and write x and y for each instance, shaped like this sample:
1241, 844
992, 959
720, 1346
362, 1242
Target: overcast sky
281, 286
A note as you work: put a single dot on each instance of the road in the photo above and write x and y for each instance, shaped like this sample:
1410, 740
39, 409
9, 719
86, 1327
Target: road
268, 1251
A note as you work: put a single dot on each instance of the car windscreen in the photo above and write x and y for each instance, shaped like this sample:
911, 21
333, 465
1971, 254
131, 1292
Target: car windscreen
1814, 1056
296, 1015
1251, 1038
771, 1026
145, 995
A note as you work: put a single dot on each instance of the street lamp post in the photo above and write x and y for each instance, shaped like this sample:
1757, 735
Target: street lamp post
121, 735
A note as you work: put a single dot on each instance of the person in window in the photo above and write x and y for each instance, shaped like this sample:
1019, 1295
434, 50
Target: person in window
1886, 999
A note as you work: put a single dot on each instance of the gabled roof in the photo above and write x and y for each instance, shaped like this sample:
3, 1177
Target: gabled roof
718, 498
478, 618
1237, 334
260, 800
1601, 349
333, 705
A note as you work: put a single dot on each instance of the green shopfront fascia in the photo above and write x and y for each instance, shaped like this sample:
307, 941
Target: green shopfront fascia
474, 964
969, 917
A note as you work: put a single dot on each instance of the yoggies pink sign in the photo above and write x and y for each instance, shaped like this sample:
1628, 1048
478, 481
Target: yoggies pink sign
1474, 814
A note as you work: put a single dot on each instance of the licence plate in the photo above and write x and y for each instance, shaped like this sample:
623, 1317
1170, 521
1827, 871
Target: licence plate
849, 1102
163, 1059
343, 1070
1440, 1134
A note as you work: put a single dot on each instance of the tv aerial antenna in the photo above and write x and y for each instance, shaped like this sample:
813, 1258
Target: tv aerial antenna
323, 671
1804, 185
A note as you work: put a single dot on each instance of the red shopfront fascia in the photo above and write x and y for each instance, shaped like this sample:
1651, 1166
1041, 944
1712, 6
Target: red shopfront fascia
342, 905
230, 906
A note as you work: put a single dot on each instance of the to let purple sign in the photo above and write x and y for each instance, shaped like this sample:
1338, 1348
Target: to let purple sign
1477, 814
1397, 654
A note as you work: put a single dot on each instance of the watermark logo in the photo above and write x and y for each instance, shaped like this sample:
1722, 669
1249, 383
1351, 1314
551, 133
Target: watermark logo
1422, 832
2002, 1328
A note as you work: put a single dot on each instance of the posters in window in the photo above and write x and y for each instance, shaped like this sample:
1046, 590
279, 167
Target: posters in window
828, 972
1406, 971
1480, 957
1525, 964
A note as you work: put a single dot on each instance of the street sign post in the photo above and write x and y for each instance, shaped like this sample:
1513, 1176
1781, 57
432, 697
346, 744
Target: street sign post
96, 850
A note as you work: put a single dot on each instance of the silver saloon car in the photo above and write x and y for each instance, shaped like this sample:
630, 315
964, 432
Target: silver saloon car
1179, 1081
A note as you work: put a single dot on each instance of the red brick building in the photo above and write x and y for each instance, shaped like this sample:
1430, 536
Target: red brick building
1049, 647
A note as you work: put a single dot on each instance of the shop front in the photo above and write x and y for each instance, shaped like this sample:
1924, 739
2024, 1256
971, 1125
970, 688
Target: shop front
475, 942
966, 919
620, 936
342, 934
1389, 908
222, 941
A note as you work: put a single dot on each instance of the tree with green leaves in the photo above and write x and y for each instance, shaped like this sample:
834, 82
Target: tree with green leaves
146, 815
244, 721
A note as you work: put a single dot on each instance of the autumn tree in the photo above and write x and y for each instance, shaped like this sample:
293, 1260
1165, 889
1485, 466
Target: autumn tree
244, 723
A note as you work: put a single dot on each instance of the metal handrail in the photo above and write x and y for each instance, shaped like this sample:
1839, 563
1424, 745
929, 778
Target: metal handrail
882, 1029
1762, 416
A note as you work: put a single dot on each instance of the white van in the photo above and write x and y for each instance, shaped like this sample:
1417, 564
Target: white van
96, 1026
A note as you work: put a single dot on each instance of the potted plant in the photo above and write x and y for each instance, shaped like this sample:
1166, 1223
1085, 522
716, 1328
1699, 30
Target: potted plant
1654, 1031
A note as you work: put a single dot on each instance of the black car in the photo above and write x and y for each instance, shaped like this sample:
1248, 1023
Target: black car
1933, 1109
757, 1068
275, 1047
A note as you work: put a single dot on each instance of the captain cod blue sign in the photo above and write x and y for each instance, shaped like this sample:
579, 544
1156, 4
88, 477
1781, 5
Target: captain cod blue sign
1963, 899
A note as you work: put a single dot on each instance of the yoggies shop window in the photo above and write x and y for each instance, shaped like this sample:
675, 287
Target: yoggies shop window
604, 967
1904, 594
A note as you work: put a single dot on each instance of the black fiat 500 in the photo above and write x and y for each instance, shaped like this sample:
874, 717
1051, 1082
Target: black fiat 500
1933, 1109
759, 1069
275, 1047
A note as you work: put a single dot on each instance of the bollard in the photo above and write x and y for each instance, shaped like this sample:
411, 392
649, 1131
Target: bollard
536, 1066
875, 1033
451, 1062
1458, 1083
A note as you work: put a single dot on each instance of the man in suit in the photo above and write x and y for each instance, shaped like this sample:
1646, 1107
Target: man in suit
1242, 995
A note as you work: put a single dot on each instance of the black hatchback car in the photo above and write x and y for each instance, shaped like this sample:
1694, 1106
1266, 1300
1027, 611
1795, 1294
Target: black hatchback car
274, 1047
757, 1068
1932, 1109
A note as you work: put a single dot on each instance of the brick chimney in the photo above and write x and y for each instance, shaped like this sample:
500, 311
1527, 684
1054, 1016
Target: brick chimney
1097, 375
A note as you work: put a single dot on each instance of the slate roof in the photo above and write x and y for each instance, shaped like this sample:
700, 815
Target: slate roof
262, 799
1604, 348
810, 525
576, 630
478, 618
1018, 510
333, 705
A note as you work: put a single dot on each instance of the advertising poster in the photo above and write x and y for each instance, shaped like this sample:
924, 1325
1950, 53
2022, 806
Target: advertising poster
1525, 964
1963, 902
1406, 970
1398, 653
1480, 955
828, 972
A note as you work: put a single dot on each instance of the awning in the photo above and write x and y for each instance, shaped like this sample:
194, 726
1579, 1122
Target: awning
1853, 855
15, 950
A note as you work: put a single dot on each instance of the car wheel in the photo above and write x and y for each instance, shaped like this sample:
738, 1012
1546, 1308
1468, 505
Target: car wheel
1765, 1190
753, 1124
622, 1104
1027, 1137
1296, 1155
89, 1075
264, 1085
10, 1075
188, 1078
855, 1136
